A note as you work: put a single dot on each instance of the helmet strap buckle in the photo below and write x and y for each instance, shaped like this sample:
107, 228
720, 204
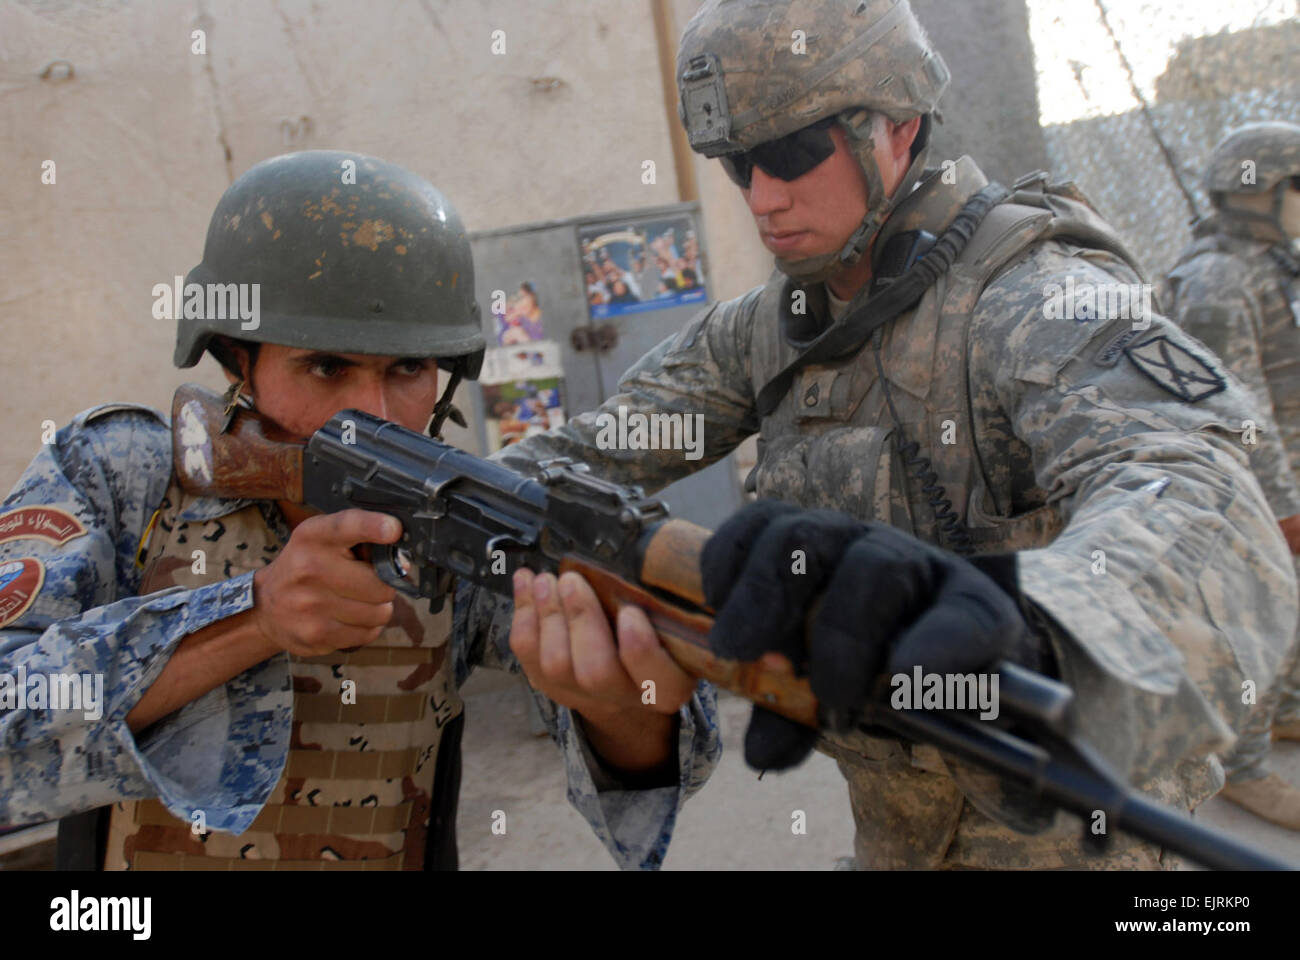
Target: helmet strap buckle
234, 400
445, 409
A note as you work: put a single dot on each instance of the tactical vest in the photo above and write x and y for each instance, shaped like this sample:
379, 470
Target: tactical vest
831, 443
359, 784
1271, 275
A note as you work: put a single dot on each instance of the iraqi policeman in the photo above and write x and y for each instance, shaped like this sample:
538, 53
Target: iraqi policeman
264, 697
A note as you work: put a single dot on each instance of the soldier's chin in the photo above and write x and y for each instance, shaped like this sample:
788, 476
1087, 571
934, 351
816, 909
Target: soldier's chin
810, 269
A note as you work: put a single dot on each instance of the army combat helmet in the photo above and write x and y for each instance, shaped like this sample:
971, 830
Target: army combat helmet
351, 255
752, 71
1254, 159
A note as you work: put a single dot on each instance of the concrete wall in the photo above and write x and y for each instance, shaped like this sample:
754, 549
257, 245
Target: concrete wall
1200, 68
990, 110
146, 134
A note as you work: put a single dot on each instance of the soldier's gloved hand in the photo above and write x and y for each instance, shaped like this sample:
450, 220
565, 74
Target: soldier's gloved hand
889, 603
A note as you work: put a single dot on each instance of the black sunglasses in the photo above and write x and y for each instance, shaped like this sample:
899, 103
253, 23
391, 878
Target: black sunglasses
787, 158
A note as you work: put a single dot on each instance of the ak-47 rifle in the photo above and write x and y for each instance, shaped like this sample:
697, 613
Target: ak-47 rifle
466, 517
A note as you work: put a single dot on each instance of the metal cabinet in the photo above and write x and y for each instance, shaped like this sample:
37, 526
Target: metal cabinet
542, 266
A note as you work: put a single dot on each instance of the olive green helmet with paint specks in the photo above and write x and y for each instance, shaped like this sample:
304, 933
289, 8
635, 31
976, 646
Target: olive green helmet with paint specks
751, 71
350, 254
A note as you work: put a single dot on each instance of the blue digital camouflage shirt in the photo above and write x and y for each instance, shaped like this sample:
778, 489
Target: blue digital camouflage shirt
69, 533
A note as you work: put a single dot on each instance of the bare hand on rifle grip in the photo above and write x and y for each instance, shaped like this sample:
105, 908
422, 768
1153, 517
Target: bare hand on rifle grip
564, 643
317, 597
626, 692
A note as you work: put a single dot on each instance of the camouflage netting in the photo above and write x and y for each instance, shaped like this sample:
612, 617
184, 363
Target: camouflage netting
1198, 87
1202, 67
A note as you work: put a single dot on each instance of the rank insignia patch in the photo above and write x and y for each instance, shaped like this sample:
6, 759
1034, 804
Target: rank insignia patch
20, 582
1176, 369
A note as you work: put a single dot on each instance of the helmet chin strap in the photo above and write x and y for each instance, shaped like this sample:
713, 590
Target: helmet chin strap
857, 126
234, 398
445, 409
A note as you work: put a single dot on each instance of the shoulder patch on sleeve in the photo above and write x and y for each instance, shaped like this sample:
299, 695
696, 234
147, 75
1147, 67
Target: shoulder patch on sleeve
1176, 369
50, 524
20, 582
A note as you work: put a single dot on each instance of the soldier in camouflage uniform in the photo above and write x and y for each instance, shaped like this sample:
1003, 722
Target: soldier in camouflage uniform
1237, 288
268, 702
1005, 393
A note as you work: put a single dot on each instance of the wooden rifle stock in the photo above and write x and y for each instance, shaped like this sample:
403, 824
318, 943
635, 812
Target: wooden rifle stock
672, 565
238, 463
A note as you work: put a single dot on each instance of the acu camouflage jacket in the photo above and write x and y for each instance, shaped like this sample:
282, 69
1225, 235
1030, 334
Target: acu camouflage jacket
1106, 449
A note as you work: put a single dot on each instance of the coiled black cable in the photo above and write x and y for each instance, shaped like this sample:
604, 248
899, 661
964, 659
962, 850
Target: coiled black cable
889, 297
948, 523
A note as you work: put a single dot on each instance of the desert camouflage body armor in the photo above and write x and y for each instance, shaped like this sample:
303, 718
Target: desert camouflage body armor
358, 791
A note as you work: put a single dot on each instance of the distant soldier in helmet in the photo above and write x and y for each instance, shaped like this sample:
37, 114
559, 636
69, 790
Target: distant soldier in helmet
224, 629
1237, 288
1050, 472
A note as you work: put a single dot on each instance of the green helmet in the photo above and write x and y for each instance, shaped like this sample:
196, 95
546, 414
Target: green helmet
349, 253
750, 71
1254, 160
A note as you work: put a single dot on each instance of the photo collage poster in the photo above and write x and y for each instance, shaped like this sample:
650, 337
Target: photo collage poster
522, 377
641, 264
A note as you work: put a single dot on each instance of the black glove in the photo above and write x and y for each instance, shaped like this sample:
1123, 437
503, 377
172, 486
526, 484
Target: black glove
891, 603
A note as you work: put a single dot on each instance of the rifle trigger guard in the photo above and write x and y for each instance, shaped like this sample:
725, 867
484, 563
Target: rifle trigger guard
391, 568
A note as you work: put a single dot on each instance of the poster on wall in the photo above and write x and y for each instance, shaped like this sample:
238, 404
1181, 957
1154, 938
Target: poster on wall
521, 408
522, 376
639, 265
533, 360
518, 316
